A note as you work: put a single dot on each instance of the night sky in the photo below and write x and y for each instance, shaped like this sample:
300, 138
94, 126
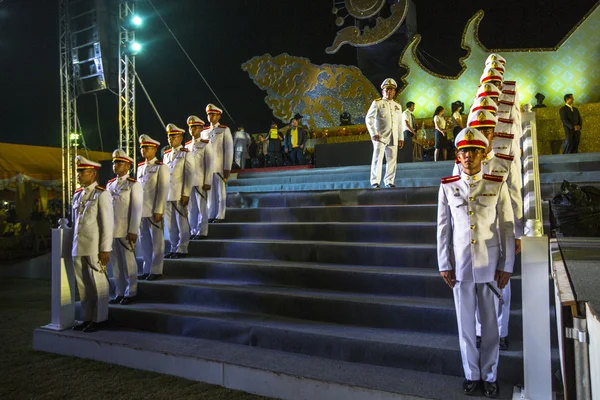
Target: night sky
220, 36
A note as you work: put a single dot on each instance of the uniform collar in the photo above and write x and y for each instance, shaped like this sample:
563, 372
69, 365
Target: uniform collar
490, 155
215, 125
122, 178
154, 160
569, 105
90, 187
178, 147
471, 178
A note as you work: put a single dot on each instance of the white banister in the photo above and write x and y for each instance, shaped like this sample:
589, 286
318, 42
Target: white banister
63, 279
535, 273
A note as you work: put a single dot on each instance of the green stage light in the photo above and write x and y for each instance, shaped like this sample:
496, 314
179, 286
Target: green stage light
134, 47
136, 21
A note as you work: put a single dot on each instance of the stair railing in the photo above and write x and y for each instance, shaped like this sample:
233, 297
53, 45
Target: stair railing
535, 273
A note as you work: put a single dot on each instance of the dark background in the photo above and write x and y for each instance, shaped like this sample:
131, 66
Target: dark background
220, 36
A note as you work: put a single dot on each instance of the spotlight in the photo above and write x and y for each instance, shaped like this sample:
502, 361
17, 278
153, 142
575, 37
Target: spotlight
136, 20
74, 138
132, 48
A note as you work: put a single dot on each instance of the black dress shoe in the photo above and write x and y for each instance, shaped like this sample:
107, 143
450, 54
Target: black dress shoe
218, 221
193, 237
179, 255
142, 276
390, 185
470, 388
504, 343
211, 220
169, 254
81, 326
478, 342
93, 327
375, 186
127, 300
491, 389
201, 237
153, 277
116, 300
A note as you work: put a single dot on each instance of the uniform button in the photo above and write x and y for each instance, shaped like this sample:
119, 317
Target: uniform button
471, 185
474, 178
473, 241
485, 163
472, 227
471, 213
471, 198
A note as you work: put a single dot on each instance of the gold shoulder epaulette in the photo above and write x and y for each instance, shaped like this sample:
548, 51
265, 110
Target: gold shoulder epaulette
130, 179
142, 163
100, 188
206, 127
505, 120
377, 99
222, 126
510, 82
168, 151
184, 149
188, 142
450, 179
79, 190
505, 156
112, 180
494, 178
159, 163
505, 135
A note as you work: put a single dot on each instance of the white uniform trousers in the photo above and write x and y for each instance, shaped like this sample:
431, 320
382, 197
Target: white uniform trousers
479, 363
199, 212
239, 157
92, 286
152, 242
124, 268
217, 200
178, 226
503, 313
391, 153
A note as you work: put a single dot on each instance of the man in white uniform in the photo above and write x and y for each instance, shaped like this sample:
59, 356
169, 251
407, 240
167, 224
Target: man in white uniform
201, 152
92, 244
128, 197
475, 243
222, 147
181, 169
384, 123
241, 143
154, 178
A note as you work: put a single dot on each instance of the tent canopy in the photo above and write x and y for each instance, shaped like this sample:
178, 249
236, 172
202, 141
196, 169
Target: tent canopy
37, 162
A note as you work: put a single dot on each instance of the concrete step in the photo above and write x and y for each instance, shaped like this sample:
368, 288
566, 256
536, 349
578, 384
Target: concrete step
391, 213
371, 254
422, 281
424, 351
378, 232
372, 310
256, 370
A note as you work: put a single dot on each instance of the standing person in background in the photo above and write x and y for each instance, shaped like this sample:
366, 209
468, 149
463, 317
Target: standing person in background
441, 142
294, 142
241, 143
571, 120
181, 168
154, 177
409, 127
274, 146
384, 123
201, 153
92, 243
222, 147
457, 124
127, 195
262, 150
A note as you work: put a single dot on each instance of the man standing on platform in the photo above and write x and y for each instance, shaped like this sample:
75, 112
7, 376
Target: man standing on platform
294, 142
241, 143
222, 147
127, 195
92, 244
476, 250
201, 152
153, 175
409, 127
384, 123
181, 168
571, 120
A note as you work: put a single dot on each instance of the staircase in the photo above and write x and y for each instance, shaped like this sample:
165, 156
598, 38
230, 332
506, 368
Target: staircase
310, 263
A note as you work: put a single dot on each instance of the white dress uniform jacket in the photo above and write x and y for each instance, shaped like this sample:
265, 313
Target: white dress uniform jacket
128, 196
384, 118
221, 142
203, 172
154, 178
92, 234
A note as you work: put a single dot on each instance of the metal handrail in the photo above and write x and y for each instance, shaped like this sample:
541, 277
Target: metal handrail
531, 174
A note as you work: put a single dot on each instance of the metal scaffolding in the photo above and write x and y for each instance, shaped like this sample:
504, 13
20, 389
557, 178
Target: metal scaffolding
68, 106
127, 132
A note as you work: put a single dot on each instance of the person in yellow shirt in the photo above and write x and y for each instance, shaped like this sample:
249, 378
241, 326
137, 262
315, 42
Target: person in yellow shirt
295, 140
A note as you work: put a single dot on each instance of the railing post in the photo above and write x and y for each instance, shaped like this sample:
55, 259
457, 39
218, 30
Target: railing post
535, 256
63, 279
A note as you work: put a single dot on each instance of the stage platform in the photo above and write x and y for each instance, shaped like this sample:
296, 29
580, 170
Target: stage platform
316, 286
